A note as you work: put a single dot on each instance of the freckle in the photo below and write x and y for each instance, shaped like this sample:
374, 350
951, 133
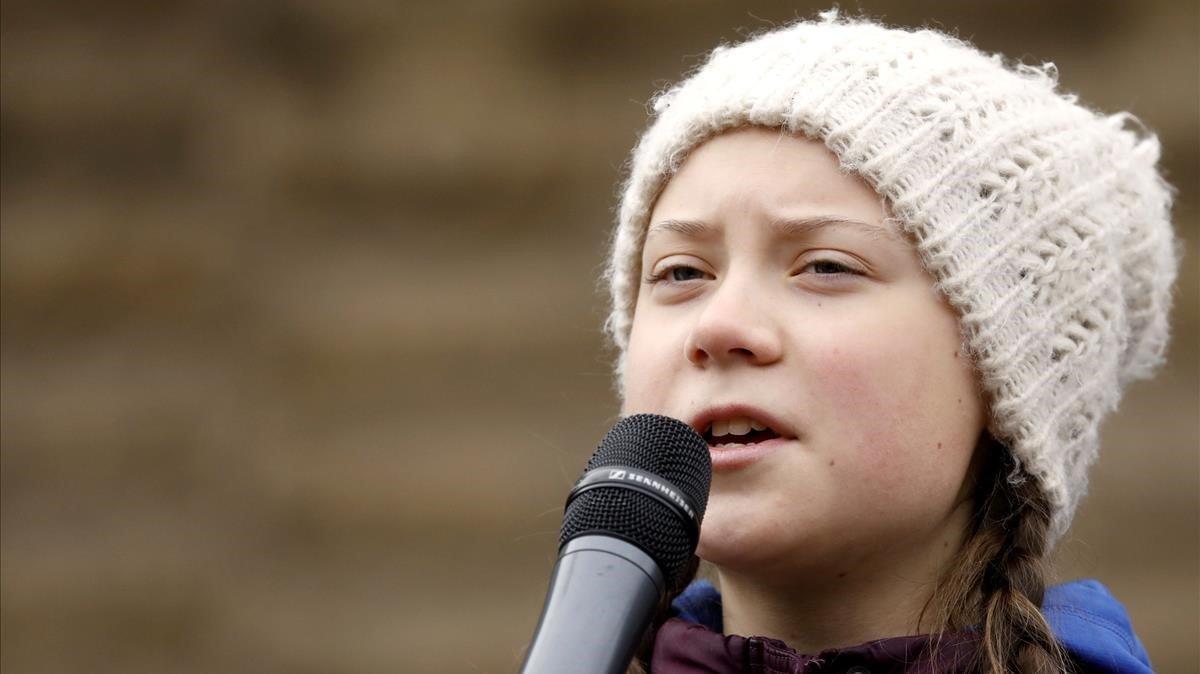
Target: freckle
939, 445
842, 574
945, 544
831, 461
960, 401
956, 354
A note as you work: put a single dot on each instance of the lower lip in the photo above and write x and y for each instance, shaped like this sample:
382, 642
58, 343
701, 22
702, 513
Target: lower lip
733, 458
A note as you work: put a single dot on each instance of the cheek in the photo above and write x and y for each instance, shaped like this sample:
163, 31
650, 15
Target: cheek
902, 409
868, 410
647, 379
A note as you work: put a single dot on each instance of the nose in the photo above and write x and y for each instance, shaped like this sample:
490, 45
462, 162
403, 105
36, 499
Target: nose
735, 325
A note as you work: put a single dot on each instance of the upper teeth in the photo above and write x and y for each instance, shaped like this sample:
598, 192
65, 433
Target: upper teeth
736, 426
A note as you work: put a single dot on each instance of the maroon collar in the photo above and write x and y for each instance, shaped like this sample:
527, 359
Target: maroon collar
683, 647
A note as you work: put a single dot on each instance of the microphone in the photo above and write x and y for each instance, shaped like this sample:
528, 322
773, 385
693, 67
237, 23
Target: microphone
630, 527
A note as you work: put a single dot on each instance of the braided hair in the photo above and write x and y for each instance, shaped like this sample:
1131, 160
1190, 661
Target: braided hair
996, 582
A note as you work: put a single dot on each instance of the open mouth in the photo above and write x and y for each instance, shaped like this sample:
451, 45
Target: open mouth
738, 432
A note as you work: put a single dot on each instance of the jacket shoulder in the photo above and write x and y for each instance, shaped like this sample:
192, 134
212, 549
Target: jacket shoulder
1094, 628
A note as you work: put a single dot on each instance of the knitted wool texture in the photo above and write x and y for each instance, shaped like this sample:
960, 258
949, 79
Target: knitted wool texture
1045, 225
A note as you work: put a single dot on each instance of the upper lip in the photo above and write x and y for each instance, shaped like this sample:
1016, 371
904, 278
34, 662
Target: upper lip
701, 420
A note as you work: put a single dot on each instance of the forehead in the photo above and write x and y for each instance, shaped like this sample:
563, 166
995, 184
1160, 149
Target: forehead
788, 182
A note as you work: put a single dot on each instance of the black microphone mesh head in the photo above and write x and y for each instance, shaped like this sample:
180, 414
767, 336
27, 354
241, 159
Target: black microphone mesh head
662, 446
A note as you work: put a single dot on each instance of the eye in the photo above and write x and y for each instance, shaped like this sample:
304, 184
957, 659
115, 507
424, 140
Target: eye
826, 267
677, 273
682, 272
832, 268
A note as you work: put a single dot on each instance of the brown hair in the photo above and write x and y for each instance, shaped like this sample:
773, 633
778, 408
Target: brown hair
996, 581
994, 584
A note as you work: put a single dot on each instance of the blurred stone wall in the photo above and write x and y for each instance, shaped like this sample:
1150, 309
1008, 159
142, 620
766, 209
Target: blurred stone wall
301, 347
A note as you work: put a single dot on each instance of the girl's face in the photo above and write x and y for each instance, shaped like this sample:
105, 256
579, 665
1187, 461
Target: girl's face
774, 291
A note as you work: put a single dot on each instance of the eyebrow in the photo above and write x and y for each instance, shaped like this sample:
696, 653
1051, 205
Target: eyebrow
784, 227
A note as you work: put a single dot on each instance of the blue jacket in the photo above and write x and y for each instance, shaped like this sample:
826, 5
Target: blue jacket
1089, 622
1094, 627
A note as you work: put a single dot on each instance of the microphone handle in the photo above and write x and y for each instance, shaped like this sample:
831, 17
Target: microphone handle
601, 600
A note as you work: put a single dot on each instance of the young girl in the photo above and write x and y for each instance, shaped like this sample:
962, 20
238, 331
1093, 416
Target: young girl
896, 284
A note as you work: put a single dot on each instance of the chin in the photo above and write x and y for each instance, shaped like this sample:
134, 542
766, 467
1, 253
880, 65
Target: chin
742, 548
784, 550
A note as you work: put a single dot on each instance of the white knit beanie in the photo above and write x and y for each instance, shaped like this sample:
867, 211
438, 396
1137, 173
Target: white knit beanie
1045, 224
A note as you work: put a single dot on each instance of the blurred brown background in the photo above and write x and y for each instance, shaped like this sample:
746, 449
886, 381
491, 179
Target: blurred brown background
301, 348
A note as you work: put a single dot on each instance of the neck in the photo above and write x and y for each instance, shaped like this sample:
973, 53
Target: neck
812, 612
